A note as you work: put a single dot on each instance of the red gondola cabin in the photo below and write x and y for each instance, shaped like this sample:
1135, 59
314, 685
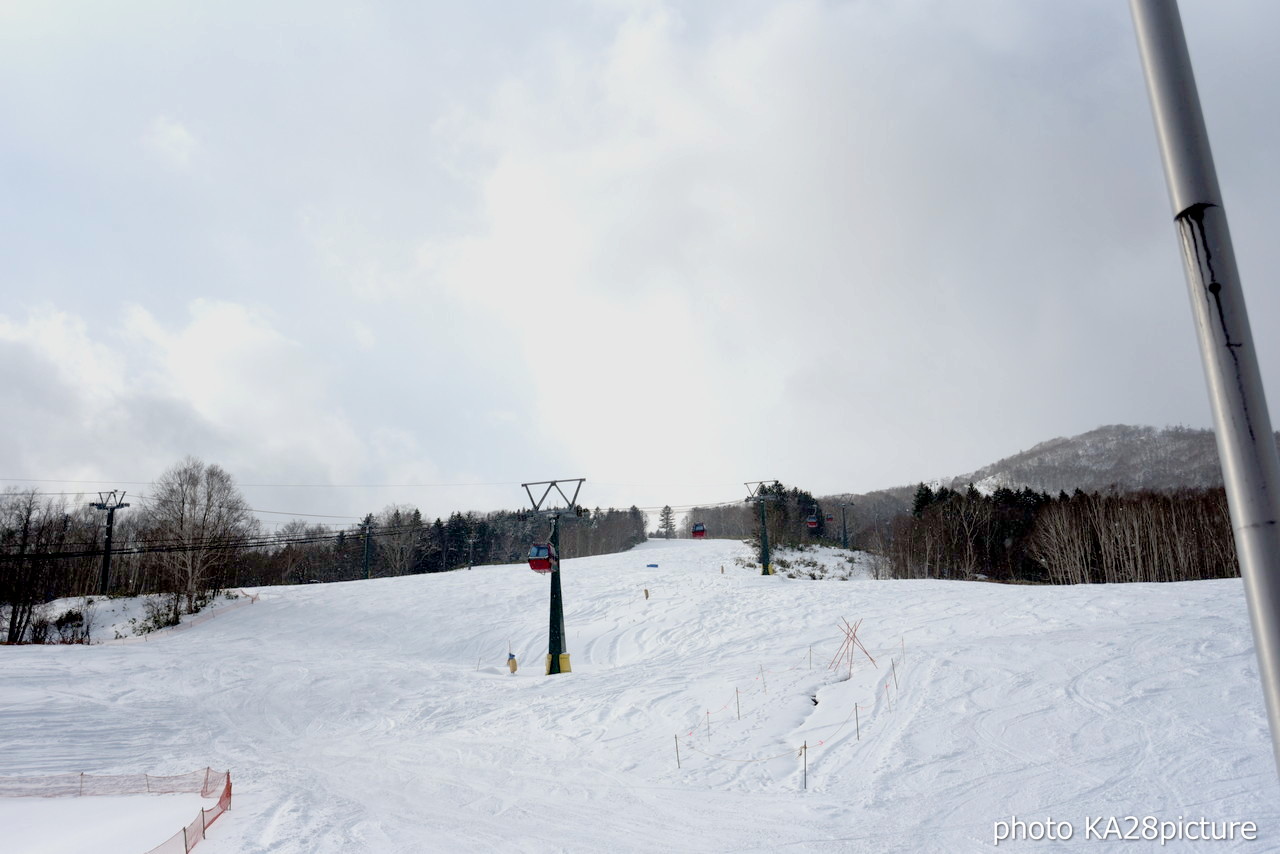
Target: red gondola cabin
699, 530
812, 522
543, 558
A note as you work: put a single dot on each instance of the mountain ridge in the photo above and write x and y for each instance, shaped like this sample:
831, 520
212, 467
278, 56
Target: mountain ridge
1112, 457
1120, 457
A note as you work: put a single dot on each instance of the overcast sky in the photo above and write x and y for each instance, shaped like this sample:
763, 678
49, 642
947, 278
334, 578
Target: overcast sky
665, 247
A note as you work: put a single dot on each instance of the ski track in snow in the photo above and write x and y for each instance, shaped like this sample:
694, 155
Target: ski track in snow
379, 716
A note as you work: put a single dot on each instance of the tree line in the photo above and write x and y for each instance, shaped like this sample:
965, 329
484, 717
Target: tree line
786, 514
865, 519
194, 535
1007, 535
1028, 536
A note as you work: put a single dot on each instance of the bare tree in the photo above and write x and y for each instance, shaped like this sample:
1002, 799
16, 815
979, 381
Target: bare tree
197, 517
20, 584
42, 557
294, 557
399, 528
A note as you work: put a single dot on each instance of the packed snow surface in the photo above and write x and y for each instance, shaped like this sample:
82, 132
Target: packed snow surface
121, 824
379, 716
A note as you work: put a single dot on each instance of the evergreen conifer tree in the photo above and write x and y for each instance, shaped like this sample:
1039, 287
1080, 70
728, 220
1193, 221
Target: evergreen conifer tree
667, 522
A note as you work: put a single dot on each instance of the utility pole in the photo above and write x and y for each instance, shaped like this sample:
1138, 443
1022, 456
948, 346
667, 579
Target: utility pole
1242, 425
368, 525
756, 492
844, 527
557, 657
109, 502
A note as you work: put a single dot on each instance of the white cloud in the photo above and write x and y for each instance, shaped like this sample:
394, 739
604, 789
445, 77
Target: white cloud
838, 243
230, 365
364, 336
225, 385
804, 218
62, 340
170, 142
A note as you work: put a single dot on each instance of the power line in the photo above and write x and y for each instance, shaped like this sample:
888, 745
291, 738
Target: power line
275, 512
162, 545
368, 485
275, 485
350, 518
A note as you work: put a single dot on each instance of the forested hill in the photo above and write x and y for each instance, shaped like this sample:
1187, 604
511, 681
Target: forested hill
1122, 456
1116, 457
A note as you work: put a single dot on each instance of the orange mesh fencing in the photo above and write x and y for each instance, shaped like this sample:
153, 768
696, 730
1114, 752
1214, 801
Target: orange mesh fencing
206, 782
224, 803
176, 844
211, 783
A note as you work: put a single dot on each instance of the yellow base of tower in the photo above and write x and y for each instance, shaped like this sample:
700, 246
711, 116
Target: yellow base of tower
564, 663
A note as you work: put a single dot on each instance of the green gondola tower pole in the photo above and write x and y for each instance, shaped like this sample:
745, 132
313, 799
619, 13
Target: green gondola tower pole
557, 657
555, 636
109, 503
759, 496
764, 541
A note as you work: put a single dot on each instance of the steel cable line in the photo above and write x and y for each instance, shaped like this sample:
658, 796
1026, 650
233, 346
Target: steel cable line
272, 485
176, 544
293, 514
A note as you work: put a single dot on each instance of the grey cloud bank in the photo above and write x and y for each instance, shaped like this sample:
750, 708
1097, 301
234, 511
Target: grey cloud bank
848, 245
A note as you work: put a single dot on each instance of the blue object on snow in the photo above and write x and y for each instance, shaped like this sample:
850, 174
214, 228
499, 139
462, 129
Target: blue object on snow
652, 565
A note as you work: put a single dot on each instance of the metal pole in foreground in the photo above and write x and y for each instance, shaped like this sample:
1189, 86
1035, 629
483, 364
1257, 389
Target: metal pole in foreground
1246, 445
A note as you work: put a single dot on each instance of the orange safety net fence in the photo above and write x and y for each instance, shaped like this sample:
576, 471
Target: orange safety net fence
207, 782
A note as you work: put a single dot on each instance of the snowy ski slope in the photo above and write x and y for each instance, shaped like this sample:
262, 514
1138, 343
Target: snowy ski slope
379, 716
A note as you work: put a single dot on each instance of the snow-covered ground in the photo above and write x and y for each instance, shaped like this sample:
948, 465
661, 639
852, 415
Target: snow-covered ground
127, 619
123, 824
379, 716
